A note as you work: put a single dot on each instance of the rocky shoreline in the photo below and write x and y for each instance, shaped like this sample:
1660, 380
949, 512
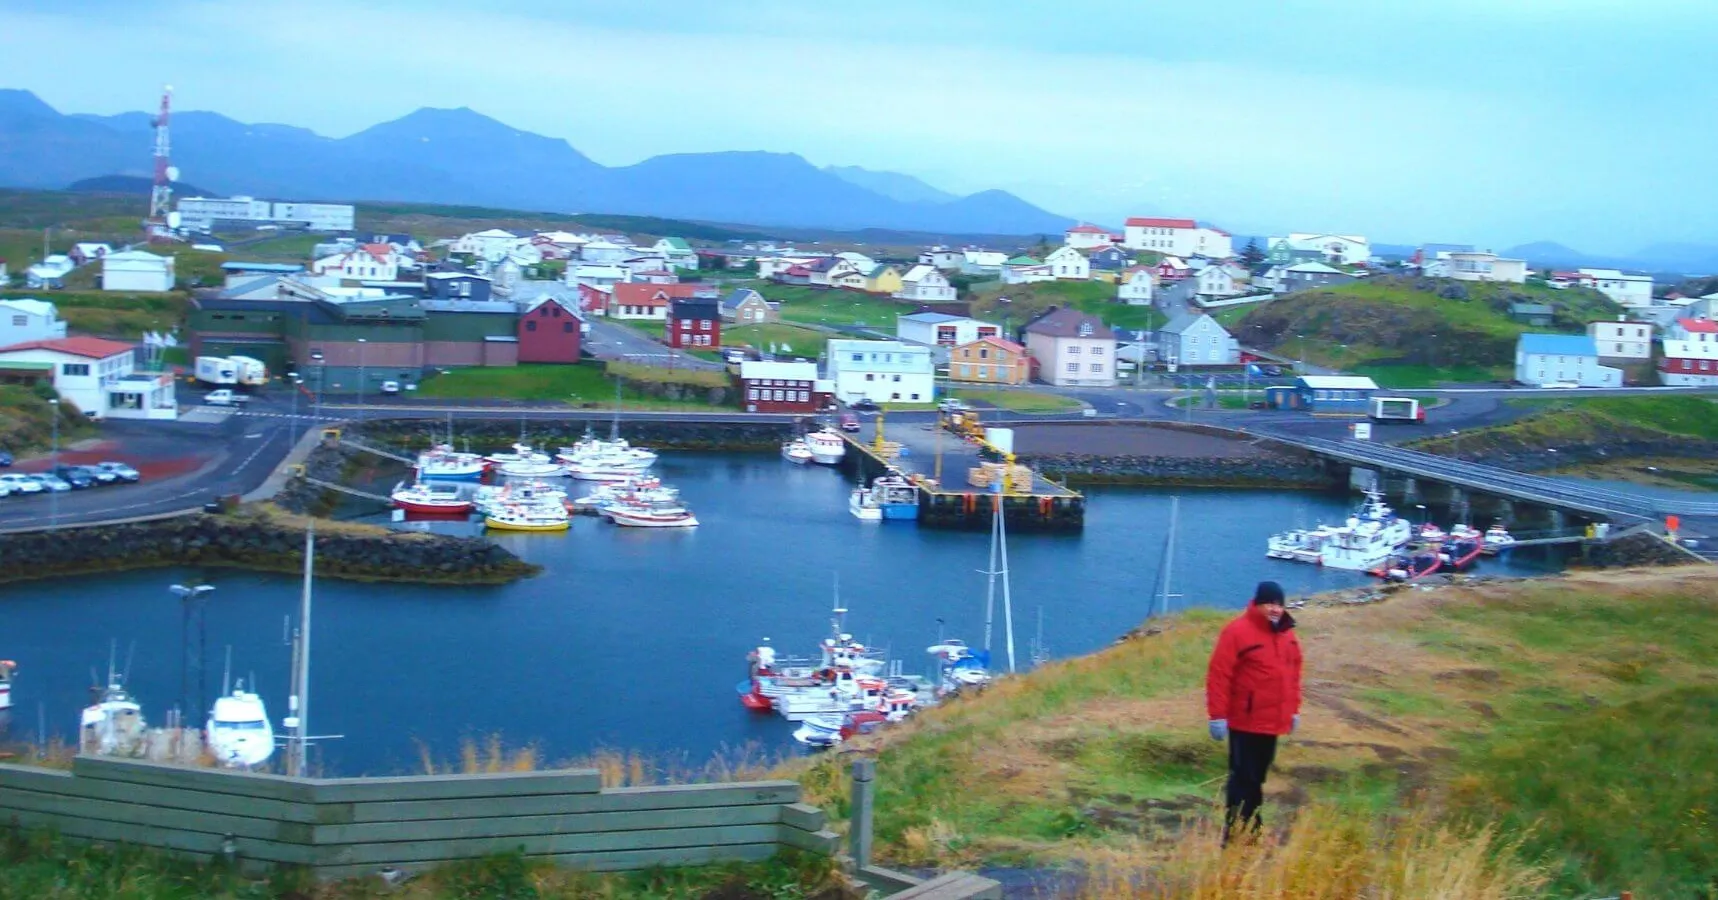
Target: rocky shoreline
261, 542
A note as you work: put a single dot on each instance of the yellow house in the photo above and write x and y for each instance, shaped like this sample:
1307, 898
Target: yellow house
989, 360
883, 279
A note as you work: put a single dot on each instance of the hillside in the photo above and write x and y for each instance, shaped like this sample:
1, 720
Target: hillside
1527, 705
459, 156
1419, 322
1013, 305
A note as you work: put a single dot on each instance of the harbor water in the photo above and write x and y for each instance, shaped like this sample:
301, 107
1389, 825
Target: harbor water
634, 639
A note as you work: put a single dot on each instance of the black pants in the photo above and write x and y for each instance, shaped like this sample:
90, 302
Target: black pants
1250, 757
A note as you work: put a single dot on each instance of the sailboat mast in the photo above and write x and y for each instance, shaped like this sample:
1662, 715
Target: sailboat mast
990, 572
614, 424
1169, 554
301, 732
1007, 595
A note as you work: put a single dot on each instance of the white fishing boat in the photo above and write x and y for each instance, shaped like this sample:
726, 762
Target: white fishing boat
494, 496
1432, 534
1497, 539
827, 446
590, 449
531, 469
1463, 532
796, 452
7, 669
961, 666
821, 731
443, 463
648, 489
864, 505
640, 514
521, 453
606, 469
1365, 541
540, 515
113, 724
238, 731
431, 498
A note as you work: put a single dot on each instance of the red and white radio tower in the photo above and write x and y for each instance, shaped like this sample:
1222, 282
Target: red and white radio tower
159, 225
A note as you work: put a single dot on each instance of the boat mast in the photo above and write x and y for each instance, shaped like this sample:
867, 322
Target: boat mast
1168, 556
990, 570
1007, 596
298, 758
614, 424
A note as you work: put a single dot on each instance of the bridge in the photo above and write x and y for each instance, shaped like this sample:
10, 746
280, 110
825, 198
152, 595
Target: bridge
1551, 492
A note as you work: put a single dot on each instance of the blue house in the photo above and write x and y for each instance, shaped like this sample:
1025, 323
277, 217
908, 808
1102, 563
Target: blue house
1341, 395
456, 286
1109, 259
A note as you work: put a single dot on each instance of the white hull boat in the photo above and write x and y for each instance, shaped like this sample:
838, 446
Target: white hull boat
827, 446
864, 506
618, 450
239, 734
605, 470
113, 725
1364, 542
650, 515
521, 453
534, 516
531, 469
796, 452
443, 463
7, 667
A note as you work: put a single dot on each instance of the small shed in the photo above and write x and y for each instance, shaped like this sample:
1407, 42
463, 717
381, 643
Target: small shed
1346, 395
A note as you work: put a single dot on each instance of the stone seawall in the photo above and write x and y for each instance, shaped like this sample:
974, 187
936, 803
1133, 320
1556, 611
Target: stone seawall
487, 435
1254, 471
261, 542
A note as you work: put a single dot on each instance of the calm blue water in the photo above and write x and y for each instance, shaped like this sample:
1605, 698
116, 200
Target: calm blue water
634, 638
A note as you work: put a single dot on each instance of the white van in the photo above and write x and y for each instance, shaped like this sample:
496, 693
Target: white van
224, 397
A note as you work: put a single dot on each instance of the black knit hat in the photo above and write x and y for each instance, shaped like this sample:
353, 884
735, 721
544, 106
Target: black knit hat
1268, 592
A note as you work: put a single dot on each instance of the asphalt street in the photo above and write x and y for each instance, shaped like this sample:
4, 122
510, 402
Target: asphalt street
608, 340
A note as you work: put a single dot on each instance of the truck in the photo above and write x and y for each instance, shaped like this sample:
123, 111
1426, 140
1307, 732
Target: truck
224, 397
251, 372
1397, 409
216, 370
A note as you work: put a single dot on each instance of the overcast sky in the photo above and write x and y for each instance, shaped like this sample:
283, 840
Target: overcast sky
1492, 122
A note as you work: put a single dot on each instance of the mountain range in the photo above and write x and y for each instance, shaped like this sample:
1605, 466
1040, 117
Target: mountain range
458, 156
1661, 258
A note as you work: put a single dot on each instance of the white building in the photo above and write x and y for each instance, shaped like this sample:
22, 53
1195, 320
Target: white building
315, 216
371, 262
1562, 359
982, 262
1626, 290
50, 272
1068, 264
881, 371
1340, 249
135, 270
605, 252
490, 244
29, 320
925, 284
771, 266
1135, 287
203, 213
1476, 265
859, 261
1176, 237
601, 276
944, 330
1216, 282
1087, 237
95, 375
678, 252
1692, 328
1072, 348
1622, 339
1196, 339
1689, 363
942, 258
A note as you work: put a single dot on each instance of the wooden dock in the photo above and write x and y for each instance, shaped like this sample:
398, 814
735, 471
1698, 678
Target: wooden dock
940, 461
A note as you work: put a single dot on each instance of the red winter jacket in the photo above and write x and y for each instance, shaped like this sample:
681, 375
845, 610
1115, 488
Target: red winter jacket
1254, 677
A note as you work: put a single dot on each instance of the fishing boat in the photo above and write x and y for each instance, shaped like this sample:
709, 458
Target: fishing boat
960, 667
7, 669
796, 452
1410, 567
540, 515
521, 453
1460, 555
827, 446
648, 489
590, 449
425, 497
821, 731
1363, 543
864, 506
1431, 533
531, 469
1298, 545
897, 497
239, 734
443, 463
1462, 532
112, 725
492, 497
606, 468
1497, 539
646, 514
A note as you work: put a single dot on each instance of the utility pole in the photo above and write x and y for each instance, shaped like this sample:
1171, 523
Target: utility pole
361, 343
54, 463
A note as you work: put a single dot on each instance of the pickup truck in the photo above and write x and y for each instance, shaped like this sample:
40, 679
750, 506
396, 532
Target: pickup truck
224, 397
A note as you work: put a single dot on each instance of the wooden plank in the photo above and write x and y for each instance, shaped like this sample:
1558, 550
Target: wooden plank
888, 881
824, 842
954, 886
61, 782
214, 781
154, 816
608, 861
542, 845
692, 796
195, 842
455, 787
500, 825
803, 816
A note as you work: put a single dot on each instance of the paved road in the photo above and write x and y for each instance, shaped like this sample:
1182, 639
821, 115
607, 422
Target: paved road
610, 341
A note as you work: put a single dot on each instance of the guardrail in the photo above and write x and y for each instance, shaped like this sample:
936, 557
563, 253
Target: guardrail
342, 827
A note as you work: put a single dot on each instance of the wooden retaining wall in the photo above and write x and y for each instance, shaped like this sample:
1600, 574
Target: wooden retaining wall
341, 827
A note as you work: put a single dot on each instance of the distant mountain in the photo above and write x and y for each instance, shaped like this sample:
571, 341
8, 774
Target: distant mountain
1551, 253
461, 157
130, 184
893, 185
1678, 257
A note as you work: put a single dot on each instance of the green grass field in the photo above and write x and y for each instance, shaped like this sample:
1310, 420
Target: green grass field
1026, 300
1403, 377
813, 306
115, 315
1016, 400
582, 384
802, 341
1695, 416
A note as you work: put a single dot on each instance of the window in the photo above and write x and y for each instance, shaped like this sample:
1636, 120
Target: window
74, 368
803, 396
984, 353
530, 325
897, 378
1097, 351
1073, 351
870, 377
858, 357
965, 371
567, 327
778, 395
915, 396
21, 321
895, 396
752, 394
1097, 367
1073, 367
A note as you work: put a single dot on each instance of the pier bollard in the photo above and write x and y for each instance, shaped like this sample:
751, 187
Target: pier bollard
863, 799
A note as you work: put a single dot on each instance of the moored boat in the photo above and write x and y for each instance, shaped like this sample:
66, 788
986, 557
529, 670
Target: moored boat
826, 445
796, 452
113, 724
238, 730
1497, 539
1366, 541
443, 463
606, 469
432, 499
590, 449
7, 669
638, 514
863, 506
541, 515
521, 452
896, 496
1431, 533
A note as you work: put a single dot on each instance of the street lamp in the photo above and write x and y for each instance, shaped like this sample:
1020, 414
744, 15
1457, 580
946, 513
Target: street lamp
192, 596
1455, 443
316, 357
361, 343
1553, 452
54, 463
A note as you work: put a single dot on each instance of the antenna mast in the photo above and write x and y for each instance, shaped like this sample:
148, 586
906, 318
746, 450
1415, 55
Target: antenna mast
161, 195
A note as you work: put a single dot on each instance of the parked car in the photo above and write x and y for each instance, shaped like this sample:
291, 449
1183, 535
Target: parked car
849, 422
5, 458
101, 476
224, 397
21, 484
119, 470
390, 387
74, 476
863, 404
51, 482
954, 405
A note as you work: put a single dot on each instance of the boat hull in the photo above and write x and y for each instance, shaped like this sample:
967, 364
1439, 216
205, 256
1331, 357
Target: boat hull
901, 512
634, 520
505, 525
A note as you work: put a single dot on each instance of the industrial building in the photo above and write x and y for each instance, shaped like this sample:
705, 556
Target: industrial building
205, 213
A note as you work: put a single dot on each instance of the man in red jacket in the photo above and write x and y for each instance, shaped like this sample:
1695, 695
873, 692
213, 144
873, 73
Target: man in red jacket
1252, 695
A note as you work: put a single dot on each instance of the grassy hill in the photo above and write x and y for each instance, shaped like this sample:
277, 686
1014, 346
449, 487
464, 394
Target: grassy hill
1543, 734
1442, 324
1014, 304
26, 420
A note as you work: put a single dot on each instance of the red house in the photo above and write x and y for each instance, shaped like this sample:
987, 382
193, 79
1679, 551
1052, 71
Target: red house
549, 332
594, 300
777, 387
694, 322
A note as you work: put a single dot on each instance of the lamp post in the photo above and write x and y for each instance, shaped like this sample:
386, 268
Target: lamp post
54, 463
361, 343
316, 357
191, 596
1553, 452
